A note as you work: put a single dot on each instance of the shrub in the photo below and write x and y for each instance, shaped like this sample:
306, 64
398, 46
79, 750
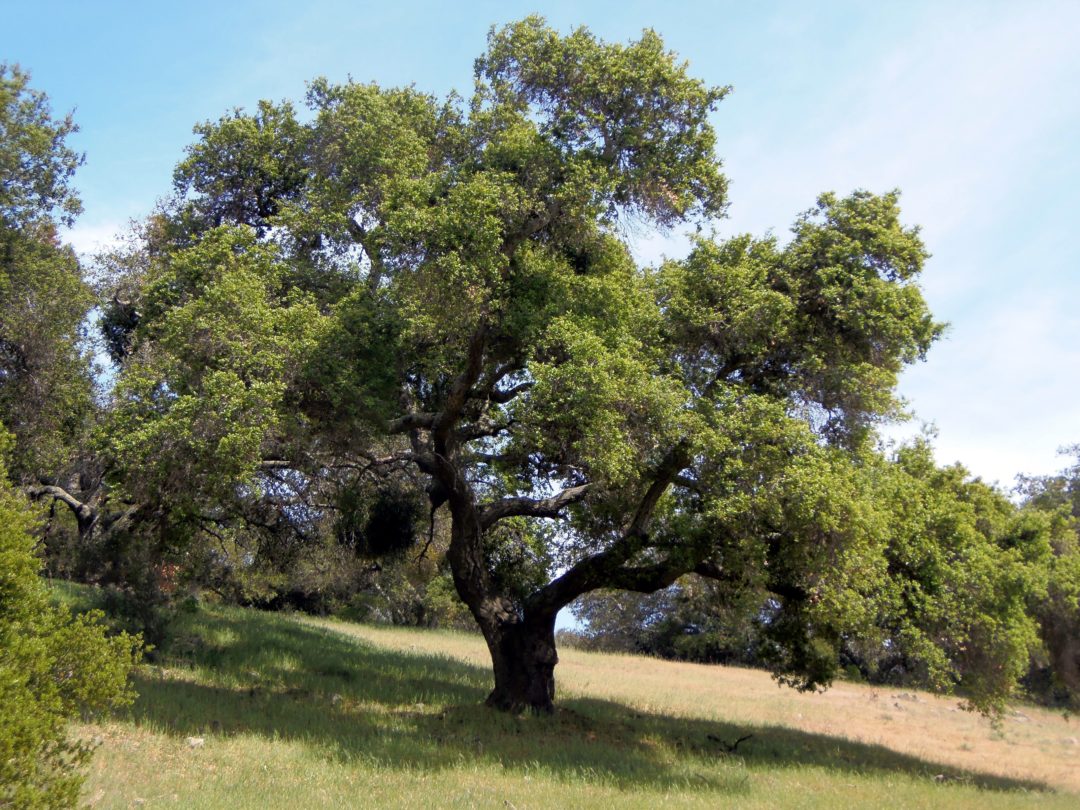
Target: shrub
53, 666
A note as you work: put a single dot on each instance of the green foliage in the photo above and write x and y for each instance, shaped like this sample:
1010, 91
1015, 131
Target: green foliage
1055, 500
909, 573
219, 343
45, 385
35, 164
964, 564
405, 295
46, 392
599, 100
246, 166
53, 667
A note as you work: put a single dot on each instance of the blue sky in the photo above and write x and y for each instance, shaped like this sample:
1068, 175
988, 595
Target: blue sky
971, 109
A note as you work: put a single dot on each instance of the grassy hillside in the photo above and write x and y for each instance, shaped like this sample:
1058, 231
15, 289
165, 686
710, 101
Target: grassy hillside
247, 709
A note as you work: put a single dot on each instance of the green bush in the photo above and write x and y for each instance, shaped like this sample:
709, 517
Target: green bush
53, 666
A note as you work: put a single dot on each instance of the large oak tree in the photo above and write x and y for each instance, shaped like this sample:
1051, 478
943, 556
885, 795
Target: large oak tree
444, 288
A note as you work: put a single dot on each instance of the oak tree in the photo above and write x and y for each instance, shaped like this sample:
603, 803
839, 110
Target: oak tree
443, 291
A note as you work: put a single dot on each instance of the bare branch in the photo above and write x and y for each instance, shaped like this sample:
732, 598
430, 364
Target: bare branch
83, 512
500, 397
531, 507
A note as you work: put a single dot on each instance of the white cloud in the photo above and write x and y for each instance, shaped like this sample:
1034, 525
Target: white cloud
1003, 391
91, 238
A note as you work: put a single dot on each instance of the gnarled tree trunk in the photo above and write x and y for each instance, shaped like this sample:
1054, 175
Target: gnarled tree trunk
523, 656
522, 646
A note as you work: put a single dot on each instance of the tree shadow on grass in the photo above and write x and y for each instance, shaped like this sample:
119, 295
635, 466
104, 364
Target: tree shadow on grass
234, 672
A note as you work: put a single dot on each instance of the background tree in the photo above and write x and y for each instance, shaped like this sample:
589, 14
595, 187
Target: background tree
1058, 498
692, 620
45, 385
441, 294
53, 666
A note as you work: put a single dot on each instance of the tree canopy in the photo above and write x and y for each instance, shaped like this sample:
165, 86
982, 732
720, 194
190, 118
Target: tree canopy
45, 382
446, 287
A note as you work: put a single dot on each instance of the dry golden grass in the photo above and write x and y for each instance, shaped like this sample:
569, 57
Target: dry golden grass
1029, 744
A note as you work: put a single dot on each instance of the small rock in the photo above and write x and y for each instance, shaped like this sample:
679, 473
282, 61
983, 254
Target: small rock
196, 742
1020, 717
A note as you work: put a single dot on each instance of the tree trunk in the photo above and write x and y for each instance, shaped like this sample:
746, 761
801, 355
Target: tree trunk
524, 658
522, 647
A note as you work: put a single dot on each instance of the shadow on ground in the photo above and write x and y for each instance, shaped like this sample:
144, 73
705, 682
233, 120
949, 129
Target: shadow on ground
230, 672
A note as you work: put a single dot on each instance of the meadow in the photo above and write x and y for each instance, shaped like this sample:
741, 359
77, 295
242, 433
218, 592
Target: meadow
244, 709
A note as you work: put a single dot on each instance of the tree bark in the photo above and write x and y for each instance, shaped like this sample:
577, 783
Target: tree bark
524, 658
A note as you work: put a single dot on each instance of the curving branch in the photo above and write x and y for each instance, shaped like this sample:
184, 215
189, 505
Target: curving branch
531, 507
598, 570
85, 514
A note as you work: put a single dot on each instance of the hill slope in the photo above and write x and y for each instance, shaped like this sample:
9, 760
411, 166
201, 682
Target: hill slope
257, 710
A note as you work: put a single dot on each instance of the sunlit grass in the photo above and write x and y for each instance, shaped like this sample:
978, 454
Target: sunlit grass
247, 709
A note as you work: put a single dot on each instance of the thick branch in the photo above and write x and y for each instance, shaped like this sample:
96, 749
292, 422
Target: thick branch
275, 464
711, 570
448, 417
411, 421
500, 397
531, 507
598, 570
649, 578
83, 512
482, 429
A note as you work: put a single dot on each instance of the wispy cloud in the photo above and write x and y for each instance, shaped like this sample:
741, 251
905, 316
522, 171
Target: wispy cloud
965, 115
91, 238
